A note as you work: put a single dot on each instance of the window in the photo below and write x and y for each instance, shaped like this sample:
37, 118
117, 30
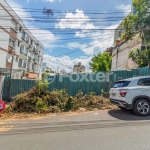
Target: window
12, 42
24, 64
23, 35
20, 63
121, 84
18, 44
144, 82
22, 49
27, 39
16, 59
26, 51
20, 29
32, 66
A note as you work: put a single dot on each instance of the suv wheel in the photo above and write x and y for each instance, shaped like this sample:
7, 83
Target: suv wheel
142, 107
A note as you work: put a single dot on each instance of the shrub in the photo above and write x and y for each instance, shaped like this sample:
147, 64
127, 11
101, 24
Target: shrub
40, 106
56, 101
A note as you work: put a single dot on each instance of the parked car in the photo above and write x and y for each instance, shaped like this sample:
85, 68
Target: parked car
133, 93
2, 106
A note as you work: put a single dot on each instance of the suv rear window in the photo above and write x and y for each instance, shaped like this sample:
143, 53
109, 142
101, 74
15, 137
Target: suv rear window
144, 82
121, 84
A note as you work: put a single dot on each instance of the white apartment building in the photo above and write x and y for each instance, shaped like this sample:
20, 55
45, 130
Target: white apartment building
19, 49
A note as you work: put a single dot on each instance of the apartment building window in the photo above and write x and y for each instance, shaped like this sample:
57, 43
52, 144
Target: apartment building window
18, 44
22, 49
12, 42
32, 66
20, 29
27, 39
23, 35
16, 59
20, 63
26, 51
24, 64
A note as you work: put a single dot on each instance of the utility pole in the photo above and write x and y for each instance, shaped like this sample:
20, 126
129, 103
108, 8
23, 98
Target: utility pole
11, 70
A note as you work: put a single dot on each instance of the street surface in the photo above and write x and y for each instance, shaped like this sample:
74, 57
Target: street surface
98, 130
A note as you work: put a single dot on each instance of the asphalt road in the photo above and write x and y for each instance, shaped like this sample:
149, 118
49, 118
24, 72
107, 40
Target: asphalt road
101, 130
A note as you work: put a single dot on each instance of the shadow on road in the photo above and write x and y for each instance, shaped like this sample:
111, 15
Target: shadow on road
126, 115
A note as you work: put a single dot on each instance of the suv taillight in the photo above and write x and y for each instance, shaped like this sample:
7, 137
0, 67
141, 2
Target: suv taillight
123, 93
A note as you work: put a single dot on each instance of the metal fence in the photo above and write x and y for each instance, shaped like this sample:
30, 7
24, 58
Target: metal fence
19, 86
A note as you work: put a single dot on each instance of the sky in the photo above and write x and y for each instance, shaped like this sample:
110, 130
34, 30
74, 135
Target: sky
78, 29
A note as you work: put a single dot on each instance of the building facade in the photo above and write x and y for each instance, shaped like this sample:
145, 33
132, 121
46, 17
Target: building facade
63, 72
79, 68
19, 49
121, 50
120, 54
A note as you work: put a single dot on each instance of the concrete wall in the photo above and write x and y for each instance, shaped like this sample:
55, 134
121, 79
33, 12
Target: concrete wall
5, 21
4, 39
3, 56
120, 59
15, 63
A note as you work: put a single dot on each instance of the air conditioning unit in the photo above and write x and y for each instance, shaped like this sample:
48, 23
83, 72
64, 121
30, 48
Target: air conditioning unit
9, 59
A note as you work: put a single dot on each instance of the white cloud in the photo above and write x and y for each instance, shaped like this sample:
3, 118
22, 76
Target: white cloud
52, 1
125, 8
82, 47
100, 43
81, 21
28, 1
65, 62
75, 21
44, 36
23, 14
49, 0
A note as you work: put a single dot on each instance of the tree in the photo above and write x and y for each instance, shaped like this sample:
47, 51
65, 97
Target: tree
138, 21
43, 84
101, 62
141, 58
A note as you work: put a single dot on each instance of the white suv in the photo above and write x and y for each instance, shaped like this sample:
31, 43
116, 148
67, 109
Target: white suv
133, 93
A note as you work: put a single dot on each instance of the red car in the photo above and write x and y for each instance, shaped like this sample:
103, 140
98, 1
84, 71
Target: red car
2, 106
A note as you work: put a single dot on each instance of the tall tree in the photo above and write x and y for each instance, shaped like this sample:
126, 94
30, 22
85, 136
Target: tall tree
137, 21
141, 58
101, 62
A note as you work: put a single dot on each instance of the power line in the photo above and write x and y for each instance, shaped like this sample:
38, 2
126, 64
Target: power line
67, 20
81, 38
57, 9
66, 29
42, 17
84, 47
62, 12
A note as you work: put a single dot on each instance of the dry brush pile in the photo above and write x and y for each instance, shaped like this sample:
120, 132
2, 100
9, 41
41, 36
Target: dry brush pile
39, 100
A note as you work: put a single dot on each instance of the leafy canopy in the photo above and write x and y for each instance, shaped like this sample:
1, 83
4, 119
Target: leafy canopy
43, 84
141, 58
101, 62
138, 21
